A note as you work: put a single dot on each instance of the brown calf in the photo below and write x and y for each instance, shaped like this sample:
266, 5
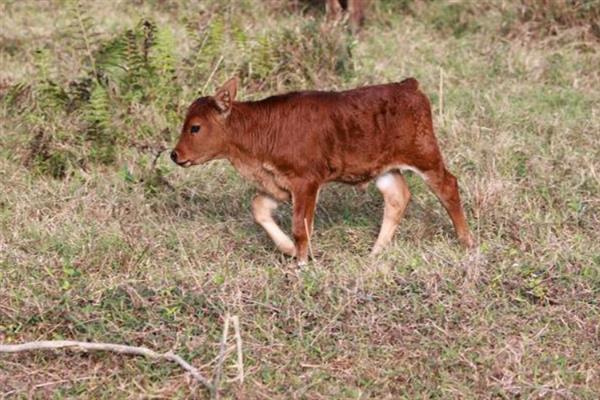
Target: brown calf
292, 144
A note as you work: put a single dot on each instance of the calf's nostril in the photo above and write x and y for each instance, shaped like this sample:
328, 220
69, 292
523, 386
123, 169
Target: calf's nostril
174, 156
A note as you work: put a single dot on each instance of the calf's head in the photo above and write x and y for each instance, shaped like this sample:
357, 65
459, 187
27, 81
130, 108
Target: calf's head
204, 135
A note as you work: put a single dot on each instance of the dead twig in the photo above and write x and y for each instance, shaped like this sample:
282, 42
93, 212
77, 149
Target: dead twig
157, 156
212, 74
115, 348
238, 343
222, 351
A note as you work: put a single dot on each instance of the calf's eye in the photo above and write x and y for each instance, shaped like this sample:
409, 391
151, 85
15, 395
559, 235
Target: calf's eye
195, 129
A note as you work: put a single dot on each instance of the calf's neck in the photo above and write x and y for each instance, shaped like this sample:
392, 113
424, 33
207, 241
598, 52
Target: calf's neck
291, 145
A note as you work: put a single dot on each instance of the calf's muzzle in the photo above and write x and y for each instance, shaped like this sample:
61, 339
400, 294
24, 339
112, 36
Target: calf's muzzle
174, 156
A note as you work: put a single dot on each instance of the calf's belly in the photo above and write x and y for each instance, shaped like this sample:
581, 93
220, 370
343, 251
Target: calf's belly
360, 168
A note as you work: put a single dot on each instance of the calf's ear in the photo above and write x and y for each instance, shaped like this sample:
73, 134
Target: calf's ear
225, 95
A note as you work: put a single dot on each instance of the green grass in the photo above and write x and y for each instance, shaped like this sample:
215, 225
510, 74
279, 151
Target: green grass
101, 240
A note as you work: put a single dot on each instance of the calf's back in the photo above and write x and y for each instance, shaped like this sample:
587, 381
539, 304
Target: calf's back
350, 136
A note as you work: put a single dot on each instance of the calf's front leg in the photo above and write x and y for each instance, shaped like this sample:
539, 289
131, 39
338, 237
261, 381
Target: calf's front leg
304, 197
262, 210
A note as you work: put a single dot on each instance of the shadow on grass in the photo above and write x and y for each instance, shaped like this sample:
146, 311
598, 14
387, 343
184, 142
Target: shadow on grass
218, 195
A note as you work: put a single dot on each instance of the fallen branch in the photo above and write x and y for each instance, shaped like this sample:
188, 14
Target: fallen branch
238, 342
223, 350
115, 348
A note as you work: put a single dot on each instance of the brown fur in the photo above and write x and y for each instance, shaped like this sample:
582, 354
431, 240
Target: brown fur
290, 145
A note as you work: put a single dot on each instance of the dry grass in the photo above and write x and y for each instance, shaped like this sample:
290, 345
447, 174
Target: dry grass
101, 255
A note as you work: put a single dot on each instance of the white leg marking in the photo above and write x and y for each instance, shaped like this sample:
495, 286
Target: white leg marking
262, 209
385, 182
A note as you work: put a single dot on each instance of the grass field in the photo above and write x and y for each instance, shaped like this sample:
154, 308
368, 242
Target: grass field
103, 239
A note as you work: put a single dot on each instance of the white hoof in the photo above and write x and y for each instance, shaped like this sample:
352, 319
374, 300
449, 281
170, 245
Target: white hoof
301, 263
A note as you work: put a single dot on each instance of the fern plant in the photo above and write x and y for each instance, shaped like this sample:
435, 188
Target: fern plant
110, 60
162, 63
136, 66
133, 72
209, 49
49, 96
102, 137
81, 25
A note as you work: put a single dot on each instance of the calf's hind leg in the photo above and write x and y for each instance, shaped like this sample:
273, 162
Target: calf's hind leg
396, 197
262, 210
445, 187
